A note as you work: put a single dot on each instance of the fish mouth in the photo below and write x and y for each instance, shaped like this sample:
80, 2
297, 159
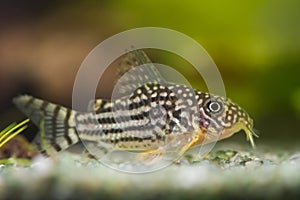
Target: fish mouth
228, 132
215, 132
249, 131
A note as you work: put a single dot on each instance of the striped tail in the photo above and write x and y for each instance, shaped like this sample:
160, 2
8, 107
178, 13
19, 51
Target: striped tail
57, 123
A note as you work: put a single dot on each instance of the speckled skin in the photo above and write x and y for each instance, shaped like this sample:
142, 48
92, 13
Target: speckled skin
150, 115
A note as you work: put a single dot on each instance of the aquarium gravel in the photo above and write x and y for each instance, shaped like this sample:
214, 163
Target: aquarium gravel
221, 174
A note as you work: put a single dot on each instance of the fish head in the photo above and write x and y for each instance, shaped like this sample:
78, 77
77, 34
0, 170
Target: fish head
220, 118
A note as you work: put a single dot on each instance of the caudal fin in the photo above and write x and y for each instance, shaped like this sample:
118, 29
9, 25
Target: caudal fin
58, 123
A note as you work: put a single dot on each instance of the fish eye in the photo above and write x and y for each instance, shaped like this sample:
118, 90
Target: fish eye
214, 106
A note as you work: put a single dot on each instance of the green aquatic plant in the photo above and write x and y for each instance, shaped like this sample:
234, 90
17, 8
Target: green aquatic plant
11, 131
7, 135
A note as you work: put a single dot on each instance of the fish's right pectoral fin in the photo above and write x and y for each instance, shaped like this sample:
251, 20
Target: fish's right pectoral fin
150, 156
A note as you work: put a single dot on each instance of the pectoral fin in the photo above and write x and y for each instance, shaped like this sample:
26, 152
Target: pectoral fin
178, 146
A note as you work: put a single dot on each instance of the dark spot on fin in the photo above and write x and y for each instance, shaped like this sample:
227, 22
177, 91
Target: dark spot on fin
135, 69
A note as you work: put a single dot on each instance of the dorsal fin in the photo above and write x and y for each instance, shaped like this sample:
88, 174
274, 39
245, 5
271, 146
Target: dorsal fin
134, 59
135, 69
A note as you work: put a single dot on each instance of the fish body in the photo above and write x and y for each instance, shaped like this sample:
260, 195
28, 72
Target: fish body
154, 116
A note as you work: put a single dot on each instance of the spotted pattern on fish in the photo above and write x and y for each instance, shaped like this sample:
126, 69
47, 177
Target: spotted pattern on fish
149, 114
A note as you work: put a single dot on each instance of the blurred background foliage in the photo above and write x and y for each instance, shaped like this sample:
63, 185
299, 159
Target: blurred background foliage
255, 45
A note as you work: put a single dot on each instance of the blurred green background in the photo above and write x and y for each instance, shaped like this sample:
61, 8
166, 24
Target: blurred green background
255, 45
